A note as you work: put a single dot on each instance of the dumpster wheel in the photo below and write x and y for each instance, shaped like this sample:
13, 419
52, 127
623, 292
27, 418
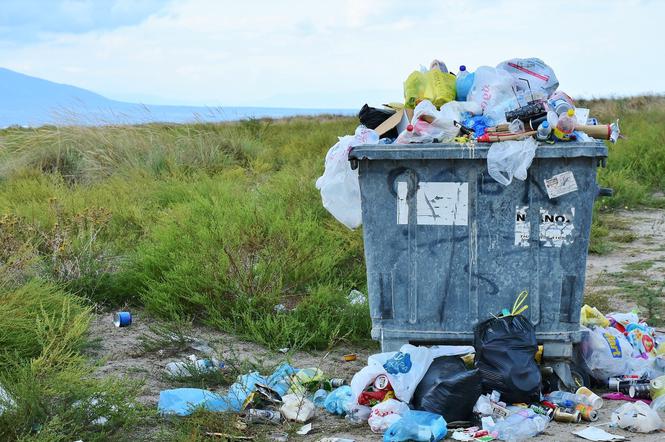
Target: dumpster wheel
580, 379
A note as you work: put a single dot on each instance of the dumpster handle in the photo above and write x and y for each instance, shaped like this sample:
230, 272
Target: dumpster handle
605, 191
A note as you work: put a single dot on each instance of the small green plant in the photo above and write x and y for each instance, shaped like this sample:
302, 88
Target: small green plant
651, 300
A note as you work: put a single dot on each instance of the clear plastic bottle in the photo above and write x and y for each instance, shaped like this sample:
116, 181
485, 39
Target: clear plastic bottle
561, 397
463, 83
565, 126
544, 131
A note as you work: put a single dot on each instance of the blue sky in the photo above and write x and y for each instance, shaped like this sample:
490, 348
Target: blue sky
301, 53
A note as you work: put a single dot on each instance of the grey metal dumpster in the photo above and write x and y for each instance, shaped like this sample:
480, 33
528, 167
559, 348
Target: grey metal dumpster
446, 245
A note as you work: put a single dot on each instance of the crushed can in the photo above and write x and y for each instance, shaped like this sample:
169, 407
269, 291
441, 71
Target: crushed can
255, 416
337, 382
567, 415
587, 412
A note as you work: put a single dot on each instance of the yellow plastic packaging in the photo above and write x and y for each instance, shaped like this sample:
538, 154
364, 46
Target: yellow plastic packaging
433, 85
591, 316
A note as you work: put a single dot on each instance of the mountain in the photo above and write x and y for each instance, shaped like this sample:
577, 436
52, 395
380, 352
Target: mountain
32, 101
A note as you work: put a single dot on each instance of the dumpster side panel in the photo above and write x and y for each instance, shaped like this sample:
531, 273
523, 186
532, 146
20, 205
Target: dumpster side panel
447, 246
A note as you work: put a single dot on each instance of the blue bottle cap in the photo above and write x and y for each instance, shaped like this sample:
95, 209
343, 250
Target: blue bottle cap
462, 68
545, 124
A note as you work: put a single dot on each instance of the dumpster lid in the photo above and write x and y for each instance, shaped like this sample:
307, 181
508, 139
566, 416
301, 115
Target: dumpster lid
445, 151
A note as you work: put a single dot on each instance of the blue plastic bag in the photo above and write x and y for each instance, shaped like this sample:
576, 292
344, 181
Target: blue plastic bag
182, 401
418, 426
338, 400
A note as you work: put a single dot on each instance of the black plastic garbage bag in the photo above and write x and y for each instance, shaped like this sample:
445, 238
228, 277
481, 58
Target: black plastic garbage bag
372, 117
505, 350
448, 389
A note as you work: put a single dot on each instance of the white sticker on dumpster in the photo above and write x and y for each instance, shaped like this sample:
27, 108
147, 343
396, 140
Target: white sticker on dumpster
442, 204
561, 184
522, 227
556, 229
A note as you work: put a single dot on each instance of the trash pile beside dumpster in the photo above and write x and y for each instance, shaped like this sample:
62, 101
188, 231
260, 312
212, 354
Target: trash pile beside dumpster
493, 390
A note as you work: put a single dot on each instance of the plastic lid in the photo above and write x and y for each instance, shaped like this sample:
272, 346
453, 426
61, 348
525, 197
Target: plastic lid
462, 68
545, 124
409, 128
571, 112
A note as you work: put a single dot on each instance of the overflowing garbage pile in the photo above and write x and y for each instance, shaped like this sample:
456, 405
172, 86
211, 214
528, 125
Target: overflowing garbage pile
515, 106
493, 390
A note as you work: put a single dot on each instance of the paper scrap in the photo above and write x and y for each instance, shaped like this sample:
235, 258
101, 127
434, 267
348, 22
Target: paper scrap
597, 434
304, 429
561, 184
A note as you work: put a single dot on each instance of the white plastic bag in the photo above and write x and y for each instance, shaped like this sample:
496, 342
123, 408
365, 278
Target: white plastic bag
606, 352
443, 126
637, 416
405, 369
508, 159
532, 76
339, 186
493, 90
386, 413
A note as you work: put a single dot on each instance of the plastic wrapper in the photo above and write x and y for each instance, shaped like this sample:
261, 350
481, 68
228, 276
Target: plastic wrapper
532, 76
448, 389
417, 426
505, 351
510, 159
385, 414
641, 338
339, 186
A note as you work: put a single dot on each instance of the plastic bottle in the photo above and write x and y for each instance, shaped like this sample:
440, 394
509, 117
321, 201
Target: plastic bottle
563, 398
544, 131
463, 83
565, 126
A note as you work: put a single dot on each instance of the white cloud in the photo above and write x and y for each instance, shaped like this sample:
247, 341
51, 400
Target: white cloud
343, 53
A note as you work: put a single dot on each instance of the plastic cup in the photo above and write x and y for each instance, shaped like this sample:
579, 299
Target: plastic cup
595, 401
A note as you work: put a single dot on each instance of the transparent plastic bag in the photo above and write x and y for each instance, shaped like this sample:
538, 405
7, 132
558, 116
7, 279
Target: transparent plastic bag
532, 76
606, 352
491, 89
637, 416
339, 186
417, 426
508, 159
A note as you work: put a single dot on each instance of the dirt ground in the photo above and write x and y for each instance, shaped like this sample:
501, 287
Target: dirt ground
121, 351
